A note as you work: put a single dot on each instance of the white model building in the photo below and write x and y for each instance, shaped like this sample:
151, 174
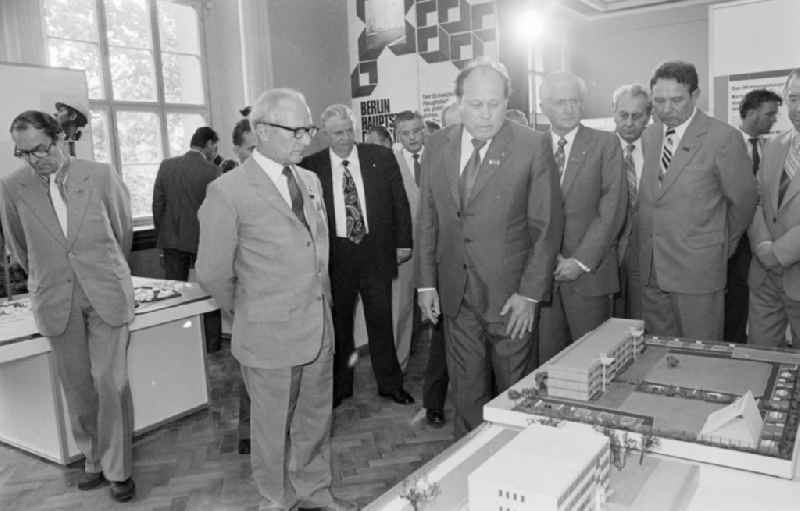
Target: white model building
739, 423
584, 369
544, 468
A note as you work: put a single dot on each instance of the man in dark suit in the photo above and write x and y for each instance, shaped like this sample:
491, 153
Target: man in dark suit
490, 224
589, 165
696, 198
370, 230
179, 190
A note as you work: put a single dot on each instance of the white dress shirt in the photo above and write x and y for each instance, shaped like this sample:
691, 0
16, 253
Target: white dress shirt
679, 130
467, 148
762, 141
637, 155
338, 189
408, 156
570, 138
274, 171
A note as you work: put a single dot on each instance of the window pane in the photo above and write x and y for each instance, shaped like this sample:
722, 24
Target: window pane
129, 23
180, 128
76, 55
102, 151
139, 137
183, 79
178, 27
132, 74
140, 180
70, 19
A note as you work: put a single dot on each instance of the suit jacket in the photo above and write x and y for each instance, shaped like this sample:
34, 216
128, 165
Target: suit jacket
179, 190
99, 227
388, 214
691, 223
510, 230
595, 203
780, 225
261, 264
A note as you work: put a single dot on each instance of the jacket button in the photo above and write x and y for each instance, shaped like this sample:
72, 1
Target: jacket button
774, 219
465, 266
467, 240
458, 214
308, 243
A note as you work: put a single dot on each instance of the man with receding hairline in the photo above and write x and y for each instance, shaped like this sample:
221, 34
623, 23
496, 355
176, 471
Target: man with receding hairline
490, 225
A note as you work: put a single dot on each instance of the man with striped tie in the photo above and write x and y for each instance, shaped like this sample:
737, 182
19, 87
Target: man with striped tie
774, 278
696, 198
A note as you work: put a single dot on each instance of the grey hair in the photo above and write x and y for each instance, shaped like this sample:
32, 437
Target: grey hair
634, 90
560, 76
266, 104
337, 111
795, 73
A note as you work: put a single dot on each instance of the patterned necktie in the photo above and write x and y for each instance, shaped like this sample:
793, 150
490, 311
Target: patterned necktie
756, 156
666, 152
296, 196
560, 156
417, 167
470, 172
354, 217
630, 174
790, 169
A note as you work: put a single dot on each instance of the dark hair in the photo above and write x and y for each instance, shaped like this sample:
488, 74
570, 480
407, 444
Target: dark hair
382, 132
486, 63
406, 115
239, 129
202, 135
433, 126
681, 72
245, 111
794, 73
755, 98
38, 120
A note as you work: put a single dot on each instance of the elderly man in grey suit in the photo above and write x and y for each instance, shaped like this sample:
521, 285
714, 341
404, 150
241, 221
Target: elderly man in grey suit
589, 166
697, 197
68, 223
490, 223
263, 256
774, 278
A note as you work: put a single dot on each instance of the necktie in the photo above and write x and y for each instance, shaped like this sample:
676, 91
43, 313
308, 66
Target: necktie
57, 194
417, 167
666, 152
560, 156
467, 180
296, 196
356, 230
790, 170
756, 156
630, 174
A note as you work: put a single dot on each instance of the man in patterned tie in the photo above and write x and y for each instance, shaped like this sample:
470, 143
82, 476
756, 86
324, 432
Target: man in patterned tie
370, 231
774, 278
631, 107
696, 198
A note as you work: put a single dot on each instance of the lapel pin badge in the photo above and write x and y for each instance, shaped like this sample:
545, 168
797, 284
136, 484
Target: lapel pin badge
494, 162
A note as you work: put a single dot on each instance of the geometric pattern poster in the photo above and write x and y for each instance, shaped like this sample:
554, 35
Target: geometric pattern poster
406, 54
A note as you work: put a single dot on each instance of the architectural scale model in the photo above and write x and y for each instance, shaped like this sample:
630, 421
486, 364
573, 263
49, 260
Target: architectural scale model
545, 468
679, 397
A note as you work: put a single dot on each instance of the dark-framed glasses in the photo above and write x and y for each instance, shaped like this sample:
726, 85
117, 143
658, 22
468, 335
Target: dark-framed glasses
37, 152
298, 132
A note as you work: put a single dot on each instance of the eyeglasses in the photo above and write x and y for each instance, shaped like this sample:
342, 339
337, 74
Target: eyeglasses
37, 152
298, 132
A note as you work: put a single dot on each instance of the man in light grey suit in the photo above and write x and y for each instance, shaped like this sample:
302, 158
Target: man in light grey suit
490, 223
589, 166
696, 198
774, 277
68, 223
263, 256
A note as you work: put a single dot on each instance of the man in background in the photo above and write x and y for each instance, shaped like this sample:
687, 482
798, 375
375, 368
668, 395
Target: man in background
451, 115
595, 197
244, 140
759, 112
517, 116
631, 107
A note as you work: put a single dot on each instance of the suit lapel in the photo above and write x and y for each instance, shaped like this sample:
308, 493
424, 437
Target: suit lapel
78, 191
784, 143
577, 155
36, 197
689, 144
325, 175
452, 161
264, 187
368, 176
495, 155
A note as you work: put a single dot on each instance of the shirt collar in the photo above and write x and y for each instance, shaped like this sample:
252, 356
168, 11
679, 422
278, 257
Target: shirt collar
267, 164
466, 141
681, 128
637, 144
409, 154
569, 136
336, 160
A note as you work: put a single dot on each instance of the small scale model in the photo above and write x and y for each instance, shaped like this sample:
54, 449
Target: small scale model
152, 290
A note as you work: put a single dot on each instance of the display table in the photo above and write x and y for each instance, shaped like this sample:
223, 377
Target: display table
166, 364
718, 489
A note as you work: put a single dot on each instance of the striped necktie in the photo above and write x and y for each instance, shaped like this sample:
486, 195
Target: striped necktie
790, 169
666, 152
560, 157
630, 174
296, 195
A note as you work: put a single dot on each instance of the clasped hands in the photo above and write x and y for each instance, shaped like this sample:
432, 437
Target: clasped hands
766, 255
567, 269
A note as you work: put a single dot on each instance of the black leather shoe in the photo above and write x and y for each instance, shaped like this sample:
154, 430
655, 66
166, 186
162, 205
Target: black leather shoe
123, 491
399, 396
244, 446
91, 480
435, 417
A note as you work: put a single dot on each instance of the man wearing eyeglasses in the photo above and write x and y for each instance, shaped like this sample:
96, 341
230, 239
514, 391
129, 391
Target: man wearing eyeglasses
263, 256
68, 223
370, 228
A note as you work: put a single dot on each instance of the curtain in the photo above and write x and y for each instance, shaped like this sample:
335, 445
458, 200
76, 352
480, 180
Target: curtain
22, 32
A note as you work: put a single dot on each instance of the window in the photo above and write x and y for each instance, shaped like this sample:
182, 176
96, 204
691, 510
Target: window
145, 71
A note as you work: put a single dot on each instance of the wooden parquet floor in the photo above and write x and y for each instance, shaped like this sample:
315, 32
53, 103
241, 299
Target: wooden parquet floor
193, 463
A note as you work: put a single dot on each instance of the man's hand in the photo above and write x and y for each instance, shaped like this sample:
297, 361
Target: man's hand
520, 320
567, 269
403, 255
428, 302
766, 255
